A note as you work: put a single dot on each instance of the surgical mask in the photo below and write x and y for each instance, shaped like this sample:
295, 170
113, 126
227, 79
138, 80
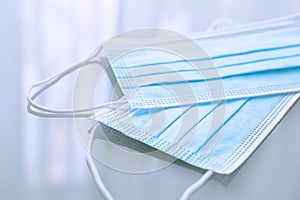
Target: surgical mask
254, 72
189, 134
264, 62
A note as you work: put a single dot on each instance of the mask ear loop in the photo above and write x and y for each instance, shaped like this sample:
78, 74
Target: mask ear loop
100, 185
43, 111
197, 185
92, 167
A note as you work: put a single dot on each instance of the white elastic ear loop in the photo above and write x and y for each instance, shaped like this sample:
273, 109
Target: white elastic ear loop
92, 166
67, 113
197, 185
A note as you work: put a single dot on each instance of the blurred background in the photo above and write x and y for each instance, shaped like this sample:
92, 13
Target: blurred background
44, 158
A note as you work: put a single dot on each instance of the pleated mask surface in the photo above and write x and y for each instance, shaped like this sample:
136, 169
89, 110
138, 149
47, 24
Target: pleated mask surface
255, 60
199, 134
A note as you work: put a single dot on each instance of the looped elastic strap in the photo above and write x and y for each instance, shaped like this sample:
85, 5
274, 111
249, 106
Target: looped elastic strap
40, 87
101, 186
92, 167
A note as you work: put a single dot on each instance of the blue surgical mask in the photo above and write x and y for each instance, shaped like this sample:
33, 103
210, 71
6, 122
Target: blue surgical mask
189, 134
264, 62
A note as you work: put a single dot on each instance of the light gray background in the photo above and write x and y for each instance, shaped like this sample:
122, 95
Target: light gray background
44, 159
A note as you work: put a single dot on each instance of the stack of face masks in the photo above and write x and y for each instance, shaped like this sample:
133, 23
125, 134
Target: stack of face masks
211, 111
209, 101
